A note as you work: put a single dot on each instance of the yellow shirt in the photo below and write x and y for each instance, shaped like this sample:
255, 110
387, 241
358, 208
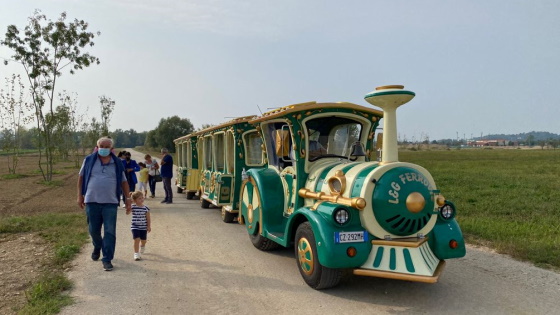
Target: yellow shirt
143, 174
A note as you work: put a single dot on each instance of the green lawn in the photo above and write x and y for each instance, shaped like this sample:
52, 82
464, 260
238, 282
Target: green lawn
506, 199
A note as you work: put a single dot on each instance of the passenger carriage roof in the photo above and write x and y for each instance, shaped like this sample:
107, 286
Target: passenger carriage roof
283, 111
183, 138
232, 122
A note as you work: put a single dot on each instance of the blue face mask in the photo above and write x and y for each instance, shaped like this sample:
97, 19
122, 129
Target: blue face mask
104, 151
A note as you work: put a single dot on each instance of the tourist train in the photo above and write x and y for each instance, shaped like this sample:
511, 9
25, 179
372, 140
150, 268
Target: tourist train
312, 176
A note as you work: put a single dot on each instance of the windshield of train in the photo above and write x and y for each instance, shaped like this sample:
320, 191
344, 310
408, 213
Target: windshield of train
331, 137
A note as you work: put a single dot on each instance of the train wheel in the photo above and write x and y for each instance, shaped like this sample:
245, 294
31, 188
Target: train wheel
204, 203
262, 242
190, 195
227, 216
315, 275
179, 190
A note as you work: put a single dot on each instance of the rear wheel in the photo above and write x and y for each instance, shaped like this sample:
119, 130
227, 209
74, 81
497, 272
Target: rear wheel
315, 275
190, 195
204, 203
227, 216
262, 242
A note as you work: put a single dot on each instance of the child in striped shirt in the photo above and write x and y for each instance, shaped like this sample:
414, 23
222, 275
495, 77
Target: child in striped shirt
141, 223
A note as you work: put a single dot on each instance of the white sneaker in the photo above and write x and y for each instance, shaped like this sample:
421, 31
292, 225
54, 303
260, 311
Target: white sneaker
142, 249
136, 256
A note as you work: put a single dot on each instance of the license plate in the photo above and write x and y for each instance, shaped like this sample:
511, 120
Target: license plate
350, 237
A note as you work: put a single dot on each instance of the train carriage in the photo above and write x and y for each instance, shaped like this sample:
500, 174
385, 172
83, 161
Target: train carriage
225, 152
321, 192
188, 175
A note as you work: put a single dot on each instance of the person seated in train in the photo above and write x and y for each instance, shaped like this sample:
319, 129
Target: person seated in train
316, 149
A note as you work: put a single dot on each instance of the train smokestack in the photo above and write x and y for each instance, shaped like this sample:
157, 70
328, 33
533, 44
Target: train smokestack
389, 98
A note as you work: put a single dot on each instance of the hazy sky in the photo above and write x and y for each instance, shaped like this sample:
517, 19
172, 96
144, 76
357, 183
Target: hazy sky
477, 67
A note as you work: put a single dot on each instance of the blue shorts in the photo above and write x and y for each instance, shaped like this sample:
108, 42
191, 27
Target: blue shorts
141, 234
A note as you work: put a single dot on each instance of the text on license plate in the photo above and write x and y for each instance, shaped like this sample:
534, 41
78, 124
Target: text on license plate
350, 237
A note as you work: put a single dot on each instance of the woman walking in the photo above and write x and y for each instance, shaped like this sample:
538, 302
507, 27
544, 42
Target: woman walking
152, 166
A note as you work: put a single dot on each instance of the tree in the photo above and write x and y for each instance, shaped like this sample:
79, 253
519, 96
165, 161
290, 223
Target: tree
14, 114
75, 121
170, 129
107, 107
128, 138
44, 49
150, 141
65, 124
92, 132
530, 140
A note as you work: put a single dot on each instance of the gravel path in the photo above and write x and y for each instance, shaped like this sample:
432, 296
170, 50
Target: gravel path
196, 264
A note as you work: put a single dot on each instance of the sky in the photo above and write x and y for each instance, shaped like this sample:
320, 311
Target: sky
478, 67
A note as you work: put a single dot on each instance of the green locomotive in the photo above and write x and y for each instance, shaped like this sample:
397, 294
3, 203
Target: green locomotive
323, 192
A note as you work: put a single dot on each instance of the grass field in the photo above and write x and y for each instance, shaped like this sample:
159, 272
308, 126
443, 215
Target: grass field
508, 200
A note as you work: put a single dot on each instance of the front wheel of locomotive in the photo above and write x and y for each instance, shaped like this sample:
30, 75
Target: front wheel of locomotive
315, 275
250, 209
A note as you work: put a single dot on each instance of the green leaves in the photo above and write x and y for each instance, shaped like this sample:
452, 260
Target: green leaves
44, 49
169, 129
46, 46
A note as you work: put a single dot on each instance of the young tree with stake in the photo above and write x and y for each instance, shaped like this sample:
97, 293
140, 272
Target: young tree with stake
45, 48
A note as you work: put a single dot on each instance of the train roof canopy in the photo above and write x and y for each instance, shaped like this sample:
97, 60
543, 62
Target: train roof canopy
283, 111
234, 121
183, 138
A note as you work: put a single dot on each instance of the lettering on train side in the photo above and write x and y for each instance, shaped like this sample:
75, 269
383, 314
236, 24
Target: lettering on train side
394, 192
224, 192
414, 177
405, 179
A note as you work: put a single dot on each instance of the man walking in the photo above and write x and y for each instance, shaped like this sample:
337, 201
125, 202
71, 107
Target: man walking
101, 183
166, 174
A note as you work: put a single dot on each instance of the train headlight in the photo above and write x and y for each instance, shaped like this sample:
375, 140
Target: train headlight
341, 216
447, 211
337, 183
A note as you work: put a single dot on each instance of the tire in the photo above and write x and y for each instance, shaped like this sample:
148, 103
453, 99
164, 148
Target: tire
227, 216
313, 273
263, 243
190, 195
204, 203
179, 190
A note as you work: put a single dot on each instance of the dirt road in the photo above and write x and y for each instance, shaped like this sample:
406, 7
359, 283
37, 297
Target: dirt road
196, 264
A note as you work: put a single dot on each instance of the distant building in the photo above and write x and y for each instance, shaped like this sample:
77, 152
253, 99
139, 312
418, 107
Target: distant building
488, 143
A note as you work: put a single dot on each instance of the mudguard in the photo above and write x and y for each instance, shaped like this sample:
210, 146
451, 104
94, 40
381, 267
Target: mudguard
330, 253
269, 184
442, 234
